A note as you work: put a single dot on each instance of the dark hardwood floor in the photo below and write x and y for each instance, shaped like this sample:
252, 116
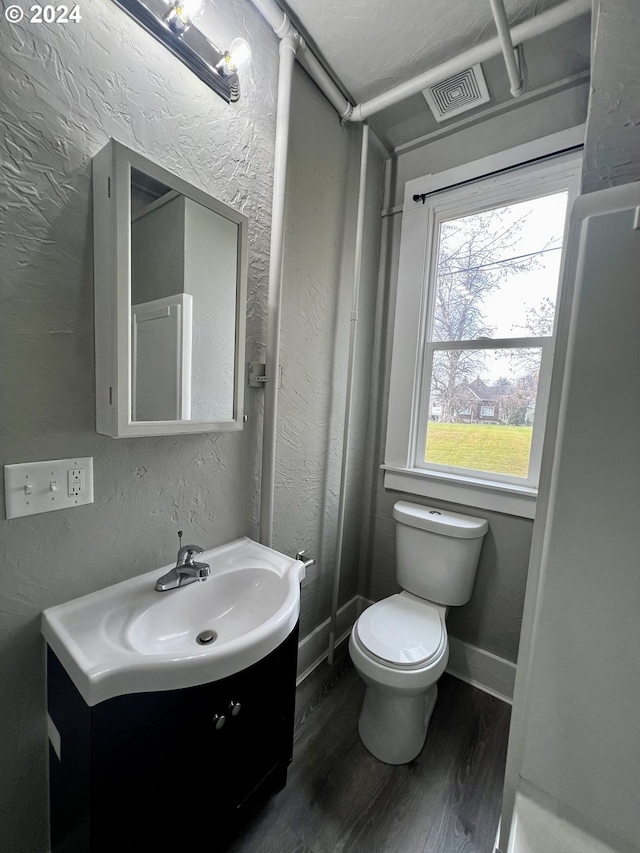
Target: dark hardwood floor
339, 798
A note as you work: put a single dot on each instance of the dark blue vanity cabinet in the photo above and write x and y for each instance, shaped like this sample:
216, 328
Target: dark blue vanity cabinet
169, 771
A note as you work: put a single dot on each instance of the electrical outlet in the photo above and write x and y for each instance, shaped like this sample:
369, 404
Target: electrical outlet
76, 482
34, 487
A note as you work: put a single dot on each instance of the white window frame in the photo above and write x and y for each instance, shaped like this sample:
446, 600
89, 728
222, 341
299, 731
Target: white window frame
420, 226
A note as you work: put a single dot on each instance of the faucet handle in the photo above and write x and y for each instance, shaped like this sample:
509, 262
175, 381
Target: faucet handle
189, 550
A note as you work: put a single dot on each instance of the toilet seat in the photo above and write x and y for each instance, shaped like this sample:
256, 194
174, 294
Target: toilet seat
402, 631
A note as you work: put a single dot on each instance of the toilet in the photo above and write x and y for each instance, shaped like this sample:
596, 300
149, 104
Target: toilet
399, 645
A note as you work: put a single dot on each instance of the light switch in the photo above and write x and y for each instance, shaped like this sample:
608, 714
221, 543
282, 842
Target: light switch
34, 487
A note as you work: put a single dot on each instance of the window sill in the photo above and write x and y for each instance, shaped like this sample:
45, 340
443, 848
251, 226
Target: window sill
483, 494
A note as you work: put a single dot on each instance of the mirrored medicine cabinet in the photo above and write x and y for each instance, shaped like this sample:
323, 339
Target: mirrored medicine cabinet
170, 272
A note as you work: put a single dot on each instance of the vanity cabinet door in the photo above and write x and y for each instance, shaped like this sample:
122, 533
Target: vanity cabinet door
261, 735
166, 787
255, 740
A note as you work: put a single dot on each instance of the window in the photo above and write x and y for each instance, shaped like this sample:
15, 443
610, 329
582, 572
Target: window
478, 283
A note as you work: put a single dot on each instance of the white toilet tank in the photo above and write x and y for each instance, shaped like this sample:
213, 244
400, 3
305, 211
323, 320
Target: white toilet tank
437, 552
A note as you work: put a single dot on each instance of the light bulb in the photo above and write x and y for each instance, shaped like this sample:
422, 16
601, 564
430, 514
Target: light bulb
182, 13
192, 9
239, 53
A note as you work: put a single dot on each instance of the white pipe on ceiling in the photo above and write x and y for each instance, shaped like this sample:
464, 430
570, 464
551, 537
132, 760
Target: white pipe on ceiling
528, 29
346, 435
288, 47
504, 34
324, 81
274, 16
282, 26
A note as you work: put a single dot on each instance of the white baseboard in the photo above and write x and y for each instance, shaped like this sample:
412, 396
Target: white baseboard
482, 669
314, 648
477, 667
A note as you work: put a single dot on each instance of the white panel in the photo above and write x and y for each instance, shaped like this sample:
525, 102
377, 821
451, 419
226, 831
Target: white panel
537, 830
161, 341
34, 487
583, 723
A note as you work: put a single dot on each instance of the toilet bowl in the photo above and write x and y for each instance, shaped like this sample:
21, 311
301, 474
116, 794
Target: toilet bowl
400, 649
399, 646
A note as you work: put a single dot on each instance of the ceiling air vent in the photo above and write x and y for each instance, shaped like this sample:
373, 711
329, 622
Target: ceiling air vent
457, 94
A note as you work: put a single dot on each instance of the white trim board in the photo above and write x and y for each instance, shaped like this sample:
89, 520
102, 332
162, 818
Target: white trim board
314, 648
519, 156
482, 669
482, 494
475, 666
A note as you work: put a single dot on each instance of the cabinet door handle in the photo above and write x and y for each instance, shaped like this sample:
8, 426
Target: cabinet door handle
218, 721
234, 708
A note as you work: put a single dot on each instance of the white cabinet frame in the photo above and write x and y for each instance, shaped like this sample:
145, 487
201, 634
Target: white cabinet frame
112, 283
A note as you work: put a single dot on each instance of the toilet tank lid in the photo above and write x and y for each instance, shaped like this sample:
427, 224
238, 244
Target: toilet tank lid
440, 521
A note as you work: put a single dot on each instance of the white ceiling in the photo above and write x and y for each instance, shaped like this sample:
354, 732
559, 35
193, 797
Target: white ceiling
372, 45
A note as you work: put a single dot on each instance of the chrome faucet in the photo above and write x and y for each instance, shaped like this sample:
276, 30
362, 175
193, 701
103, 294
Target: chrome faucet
185, 571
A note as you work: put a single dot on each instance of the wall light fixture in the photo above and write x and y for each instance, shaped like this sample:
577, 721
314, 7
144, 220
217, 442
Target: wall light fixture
172, 23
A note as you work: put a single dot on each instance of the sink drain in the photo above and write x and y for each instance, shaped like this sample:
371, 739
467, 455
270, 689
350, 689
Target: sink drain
206, 637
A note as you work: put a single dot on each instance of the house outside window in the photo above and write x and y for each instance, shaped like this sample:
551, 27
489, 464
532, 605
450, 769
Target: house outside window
479, 278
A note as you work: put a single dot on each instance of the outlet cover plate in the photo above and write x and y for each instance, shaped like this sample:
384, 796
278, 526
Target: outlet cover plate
34, 487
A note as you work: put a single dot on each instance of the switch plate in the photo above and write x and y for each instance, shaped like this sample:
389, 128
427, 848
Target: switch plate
34, 487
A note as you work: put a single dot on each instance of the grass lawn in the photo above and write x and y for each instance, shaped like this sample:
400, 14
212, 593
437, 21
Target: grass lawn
483, 447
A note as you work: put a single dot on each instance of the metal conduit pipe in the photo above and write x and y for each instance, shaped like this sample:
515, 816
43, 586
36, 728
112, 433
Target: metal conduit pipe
535, 26
288, 48
346, 436
504, 34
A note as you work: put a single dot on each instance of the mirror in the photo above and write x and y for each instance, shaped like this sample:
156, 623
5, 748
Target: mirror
170, 272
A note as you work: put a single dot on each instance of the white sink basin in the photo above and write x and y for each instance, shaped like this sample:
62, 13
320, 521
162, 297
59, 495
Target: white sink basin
128, 638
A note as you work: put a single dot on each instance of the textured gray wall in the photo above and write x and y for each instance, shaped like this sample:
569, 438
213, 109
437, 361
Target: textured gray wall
528, 121
324, 162
68, 89
491, 620
613, 124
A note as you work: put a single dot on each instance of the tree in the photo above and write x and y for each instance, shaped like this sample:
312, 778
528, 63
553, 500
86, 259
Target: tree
475, 255
538, 324
515, 398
